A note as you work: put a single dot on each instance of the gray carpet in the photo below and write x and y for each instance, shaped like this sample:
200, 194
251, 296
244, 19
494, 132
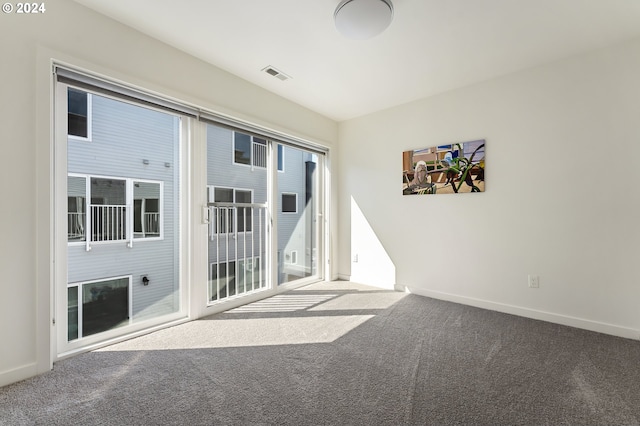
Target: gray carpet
343, 354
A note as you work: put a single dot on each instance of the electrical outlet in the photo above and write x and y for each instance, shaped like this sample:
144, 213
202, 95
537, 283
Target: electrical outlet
534, 281
355, 258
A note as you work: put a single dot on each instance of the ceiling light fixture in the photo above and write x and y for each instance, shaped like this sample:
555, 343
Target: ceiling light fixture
363, 19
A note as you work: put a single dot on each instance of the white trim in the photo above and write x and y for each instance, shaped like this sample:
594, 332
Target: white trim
17, 374
88, 138
59, 233
282, 194
599, 327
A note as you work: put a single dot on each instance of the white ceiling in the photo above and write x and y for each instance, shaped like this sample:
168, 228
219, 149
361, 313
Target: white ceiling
431, 46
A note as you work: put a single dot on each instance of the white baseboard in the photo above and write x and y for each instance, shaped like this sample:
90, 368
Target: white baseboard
600, 327
18, 374
344, 277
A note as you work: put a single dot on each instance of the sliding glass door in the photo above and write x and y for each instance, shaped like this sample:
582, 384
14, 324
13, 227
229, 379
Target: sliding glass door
237, 214
299, 214
132, 172
263, 212
119, 211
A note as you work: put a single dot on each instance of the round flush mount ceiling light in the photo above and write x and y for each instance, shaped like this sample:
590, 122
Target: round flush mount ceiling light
363, 19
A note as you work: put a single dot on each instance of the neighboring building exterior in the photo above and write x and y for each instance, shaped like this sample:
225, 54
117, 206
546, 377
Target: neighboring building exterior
122, 214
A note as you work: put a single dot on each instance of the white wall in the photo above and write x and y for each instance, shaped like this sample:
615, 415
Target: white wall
73, 34
561, 201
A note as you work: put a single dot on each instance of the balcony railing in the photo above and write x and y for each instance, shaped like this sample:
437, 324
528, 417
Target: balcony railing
151, 224
259, 154
238, 237
231, 218
104, 223
108, 222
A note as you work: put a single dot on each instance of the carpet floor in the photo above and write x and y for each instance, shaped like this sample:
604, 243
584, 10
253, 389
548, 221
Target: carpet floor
342, 354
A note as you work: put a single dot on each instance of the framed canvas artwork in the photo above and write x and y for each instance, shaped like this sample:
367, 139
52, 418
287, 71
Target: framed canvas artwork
444, 169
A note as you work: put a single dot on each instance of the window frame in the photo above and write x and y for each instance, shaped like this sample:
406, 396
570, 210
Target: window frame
89, 136
80, 284
282, 194
83, 211
129, 205
252, 141
211, 190
160, 209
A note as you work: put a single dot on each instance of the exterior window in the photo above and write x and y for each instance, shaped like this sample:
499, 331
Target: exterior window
146, 209
108, 209
292, 257
97, 306
280, 158
249, 150
224, 216
241, 148
223, 195
78, 114
108, 214
289, 202
76, 208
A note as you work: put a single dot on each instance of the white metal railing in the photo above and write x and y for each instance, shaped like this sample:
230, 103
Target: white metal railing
75, 225
229, 219
237, 248
259, 154
151, 224
107, 222
103, 223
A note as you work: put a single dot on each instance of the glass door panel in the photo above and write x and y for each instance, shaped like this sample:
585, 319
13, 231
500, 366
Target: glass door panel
299, 201
122, 199
237, 237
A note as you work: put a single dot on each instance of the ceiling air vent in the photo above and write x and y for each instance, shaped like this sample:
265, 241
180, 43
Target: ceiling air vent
276, 73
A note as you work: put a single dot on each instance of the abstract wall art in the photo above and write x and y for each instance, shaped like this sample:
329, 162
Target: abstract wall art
444, 169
